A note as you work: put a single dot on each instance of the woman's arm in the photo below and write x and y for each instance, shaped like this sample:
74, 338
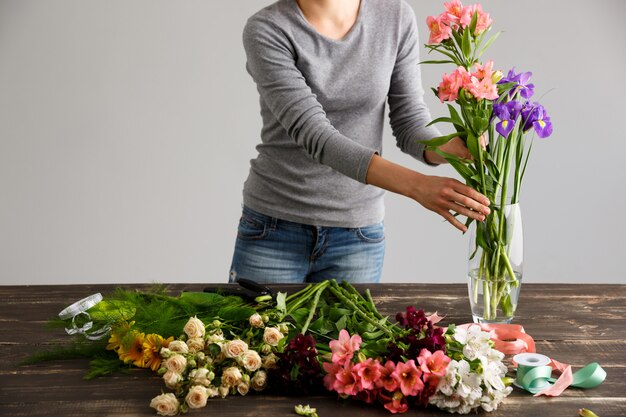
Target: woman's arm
439, 194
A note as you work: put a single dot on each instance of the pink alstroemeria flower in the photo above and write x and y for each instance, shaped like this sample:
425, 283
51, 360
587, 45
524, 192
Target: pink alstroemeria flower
347, 381
408, 377
484, 20
343, 349
386, 380
483, 89
397, 404
451, 84
331, 369
369, 371
439, 30
458, 14
483, 71
433, 363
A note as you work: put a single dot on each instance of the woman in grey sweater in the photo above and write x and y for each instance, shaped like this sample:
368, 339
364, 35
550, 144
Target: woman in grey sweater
313, 200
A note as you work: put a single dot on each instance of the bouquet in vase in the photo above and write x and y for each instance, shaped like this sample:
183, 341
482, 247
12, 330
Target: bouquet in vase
494, 117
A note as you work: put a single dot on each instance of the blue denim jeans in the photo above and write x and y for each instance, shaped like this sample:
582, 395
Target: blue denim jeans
270, 250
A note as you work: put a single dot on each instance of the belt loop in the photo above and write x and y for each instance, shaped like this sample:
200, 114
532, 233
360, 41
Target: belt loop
273, 222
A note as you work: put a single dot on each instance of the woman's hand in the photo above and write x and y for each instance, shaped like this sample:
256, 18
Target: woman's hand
444, 196
456, 147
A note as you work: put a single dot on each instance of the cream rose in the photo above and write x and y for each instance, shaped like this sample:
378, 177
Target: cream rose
250, 360
165, 404
176, 363
212, 392
201, 376
194, 328
172, 379
223, 391
272, 336
231, 377
195, 344
178, 346
259, 381
234, 348
197, 397
256, 321
269, 361
215, 337
243, 388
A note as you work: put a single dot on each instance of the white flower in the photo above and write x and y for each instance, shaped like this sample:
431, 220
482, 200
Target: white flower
250, 360
234, 348
256, 321
165, 404
212, 391
176, 363
448, 382
243, 388
492, 373
201, 376
197, 397
272, 336
259, 381
178, 346
231, 377
195, 344
223, 391
194, 328
172, 379
216, 337
270, 361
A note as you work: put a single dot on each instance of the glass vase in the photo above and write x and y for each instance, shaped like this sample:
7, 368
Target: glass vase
495, 266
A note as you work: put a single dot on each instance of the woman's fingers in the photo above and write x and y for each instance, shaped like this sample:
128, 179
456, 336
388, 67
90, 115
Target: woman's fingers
453, 221
471, 198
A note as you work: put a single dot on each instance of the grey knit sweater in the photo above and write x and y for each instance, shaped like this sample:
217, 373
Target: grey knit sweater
323, 108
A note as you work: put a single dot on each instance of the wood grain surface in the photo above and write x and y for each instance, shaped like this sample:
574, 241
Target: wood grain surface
576, 324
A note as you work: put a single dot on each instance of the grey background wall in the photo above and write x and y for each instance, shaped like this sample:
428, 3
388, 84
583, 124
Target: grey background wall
126, 128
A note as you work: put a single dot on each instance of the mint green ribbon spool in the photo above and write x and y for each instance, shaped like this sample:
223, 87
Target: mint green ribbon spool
534, 373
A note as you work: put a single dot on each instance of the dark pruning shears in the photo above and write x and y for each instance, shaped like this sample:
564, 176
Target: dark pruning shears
248, 290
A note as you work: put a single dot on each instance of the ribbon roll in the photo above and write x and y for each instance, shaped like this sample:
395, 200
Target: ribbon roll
79, 308
534, 374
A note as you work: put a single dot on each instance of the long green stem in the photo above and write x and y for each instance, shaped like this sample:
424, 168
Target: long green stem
336, 290
320, 289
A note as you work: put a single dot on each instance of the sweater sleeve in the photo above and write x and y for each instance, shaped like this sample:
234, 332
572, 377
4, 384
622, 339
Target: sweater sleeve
408, 112
271, 62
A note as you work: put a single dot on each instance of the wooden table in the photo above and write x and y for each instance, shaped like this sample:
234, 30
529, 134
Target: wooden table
575, 324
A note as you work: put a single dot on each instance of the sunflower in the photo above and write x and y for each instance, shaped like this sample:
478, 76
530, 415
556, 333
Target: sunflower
152, 345
135, 351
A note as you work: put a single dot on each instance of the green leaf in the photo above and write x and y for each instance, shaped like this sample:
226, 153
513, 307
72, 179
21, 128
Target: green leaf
202, 299
488, 44
281, 302
473, 23
441, 140
342, 323
473, 146
214, 349
466, 45
437, 62
454, 115
236, 313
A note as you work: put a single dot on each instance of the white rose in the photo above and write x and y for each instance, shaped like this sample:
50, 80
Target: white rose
269, 361
215, 337
272, 336
176, 363
234, 348
195, 344
259, 381
243, 388
223, 391
250, 360
197, 397
194, 328
212, 391
165, 404
172, 379
256, 321
231, 377
178, 346
201, 376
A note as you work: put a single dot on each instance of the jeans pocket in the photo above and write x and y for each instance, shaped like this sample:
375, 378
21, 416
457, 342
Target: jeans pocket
371, 234
251, 228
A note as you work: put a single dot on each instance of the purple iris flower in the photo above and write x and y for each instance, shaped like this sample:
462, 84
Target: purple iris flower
505, 127
525, 88
534, 115
507, 113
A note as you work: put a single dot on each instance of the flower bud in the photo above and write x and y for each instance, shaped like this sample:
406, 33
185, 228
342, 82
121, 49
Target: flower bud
223, 391
584, 412
361, 357
266, 349
284, 329
497, 76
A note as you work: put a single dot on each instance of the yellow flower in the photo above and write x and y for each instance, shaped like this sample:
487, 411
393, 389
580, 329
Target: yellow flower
152, 345
118, 333
135, 352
